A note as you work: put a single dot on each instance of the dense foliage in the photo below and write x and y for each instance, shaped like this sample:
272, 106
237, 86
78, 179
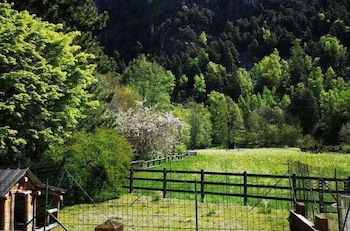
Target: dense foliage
169, 75
80, 16
284, 55
99, 161
43, 85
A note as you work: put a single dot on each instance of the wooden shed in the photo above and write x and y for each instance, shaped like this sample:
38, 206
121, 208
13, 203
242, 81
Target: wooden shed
23, 201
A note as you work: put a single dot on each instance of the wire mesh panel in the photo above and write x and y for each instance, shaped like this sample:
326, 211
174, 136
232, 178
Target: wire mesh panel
168, 199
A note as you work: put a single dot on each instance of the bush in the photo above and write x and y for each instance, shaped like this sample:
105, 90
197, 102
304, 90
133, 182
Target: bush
289, 135
346, 148
99, 162
307, 143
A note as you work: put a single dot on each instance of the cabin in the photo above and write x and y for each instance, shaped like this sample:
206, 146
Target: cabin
27, 204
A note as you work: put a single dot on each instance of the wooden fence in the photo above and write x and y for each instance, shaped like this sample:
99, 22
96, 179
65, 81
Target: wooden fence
323, 191
160, 160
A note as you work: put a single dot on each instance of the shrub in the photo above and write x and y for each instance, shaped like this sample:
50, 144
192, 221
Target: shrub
346, 148
99, 161
307, 143
289, 135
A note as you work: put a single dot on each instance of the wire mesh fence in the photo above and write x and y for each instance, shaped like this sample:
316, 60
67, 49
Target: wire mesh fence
168, 199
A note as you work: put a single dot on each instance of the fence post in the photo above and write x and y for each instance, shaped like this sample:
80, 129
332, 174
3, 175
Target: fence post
321, 223
347, 185
320, 193
131, 179
294, 183
202, 186
164, 183
196, 204
245, 188
300, 208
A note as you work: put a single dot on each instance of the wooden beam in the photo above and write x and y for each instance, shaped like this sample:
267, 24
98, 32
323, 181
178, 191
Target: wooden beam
29, 212
7, 212
2, 213
12, 211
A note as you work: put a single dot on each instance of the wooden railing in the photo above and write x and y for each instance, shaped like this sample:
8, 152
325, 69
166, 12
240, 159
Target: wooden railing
160, 160
292, 187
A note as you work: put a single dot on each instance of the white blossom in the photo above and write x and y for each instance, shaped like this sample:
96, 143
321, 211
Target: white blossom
151, 133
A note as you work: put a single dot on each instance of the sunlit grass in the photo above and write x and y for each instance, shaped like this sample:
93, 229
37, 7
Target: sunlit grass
264, 160
176, 211
172, 214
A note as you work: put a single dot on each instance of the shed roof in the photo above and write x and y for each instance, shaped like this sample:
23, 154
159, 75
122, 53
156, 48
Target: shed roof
10, 177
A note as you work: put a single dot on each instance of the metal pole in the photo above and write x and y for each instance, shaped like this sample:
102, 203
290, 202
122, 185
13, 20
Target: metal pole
196, 204
338, 206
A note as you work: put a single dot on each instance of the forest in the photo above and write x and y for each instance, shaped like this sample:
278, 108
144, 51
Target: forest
94, 84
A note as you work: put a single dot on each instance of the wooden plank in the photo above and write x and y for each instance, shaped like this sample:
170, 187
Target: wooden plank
248, 174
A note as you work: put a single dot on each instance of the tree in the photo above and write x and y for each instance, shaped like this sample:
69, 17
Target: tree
43, 82
269, 72
199, 86
245, 82
82, 16
304, 106
151, 133
101, 160
151, 81
332, 54
300, 64
201, 127
335, 107
235, 124
219, 117
344, 134
216, 77
315, 81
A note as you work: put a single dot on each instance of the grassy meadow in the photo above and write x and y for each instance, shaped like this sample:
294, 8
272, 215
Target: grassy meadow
176, 210
264, 161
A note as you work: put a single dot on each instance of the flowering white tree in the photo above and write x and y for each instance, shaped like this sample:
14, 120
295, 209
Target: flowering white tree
150, 133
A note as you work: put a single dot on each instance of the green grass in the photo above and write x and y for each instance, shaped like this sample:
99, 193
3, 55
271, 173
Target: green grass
263, 161
172, 214
176, 210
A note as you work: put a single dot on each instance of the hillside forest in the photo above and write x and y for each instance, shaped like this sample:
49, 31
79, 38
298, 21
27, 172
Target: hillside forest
92, 85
